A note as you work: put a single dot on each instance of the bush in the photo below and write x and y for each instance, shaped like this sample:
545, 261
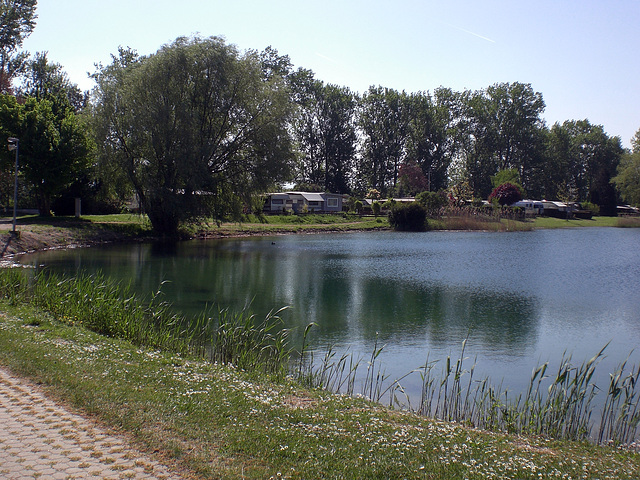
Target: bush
408, 217
432, 201
506, 194
592, 207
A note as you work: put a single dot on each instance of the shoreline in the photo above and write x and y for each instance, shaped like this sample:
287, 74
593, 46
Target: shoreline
39, 237
42, 234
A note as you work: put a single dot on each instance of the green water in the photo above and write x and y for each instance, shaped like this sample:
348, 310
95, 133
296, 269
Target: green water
520, 298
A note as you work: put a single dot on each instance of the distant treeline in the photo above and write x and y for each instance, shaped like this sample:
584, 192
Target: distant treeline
199, 129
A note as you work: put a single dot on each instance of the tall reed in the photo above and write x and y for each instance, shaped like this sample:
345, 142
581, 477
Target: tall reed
558, 405
239, 339
109, 308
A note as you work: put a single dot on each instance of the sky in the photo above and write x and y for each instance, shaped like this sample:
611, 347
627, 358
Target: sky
582, 55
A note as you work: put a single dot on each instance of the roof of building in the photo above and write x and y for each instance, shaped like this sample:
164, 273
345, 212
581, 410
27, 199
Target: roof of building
312, 197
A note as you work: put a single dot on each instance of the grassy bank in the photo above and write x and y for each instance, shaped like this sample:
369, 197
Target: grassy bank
621, 222
38, 233
221, 421
282, 224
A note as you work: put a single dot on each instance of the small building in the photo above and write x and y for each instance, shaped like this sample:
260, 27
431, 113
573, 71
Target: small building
531, 207
627, 210
559, 209
300, 202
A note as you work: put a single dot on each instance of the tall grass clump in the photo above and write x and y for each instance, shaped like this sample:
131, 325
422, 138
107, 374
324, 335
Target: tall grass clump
558, 404
14, 285
620, 415
109, 308
239, 339
628, 222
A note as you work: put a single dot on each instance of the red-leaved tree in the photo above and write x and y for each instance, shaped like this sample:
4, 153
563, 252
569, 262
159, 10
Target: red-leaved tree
506, 194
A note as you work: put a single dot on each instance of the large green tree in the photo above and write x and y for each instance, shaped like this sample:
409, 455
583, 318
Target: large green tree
628, 174
581, 162
55, 149
428, 144
325, 132
383, 123
45, 80
17, 21
502, 129
198, 127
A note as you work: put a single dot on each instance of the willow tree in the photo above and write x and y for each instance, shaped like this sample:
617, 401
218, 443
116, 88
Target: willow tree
198, 128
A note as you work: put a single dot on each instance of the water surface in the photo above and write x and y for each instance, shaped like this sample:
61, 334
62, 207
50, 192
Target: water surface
519, 298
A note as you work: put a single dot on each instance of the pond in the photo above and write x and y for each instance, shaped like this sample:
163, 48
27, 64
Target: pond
520, 299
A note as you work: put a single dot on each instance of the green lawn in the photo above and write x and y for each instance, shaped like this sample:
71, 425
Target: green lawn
550, 222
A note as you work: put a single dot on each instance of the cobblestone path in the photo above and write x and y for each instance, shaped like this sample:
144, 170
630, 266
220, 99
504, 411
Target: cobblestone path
41, 440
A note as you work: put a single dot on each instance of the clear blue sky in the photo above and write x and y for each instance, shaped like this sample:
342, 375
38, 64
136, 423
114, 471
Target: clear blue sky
583, 56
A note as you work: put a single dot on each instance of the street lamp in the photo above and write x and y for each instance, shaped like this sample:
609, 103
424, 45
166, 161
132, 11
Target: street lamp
13, 145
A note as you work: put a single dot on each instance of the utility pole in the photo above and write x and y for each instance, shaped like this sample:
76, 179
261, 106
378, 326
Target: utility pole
14, 144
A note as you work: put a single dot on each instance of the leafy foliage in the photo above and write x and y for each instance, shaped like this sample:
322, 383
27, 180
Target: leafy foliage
581, 161
506, 194
383, 123
17, 21
197, 127
55, 149
628, 173
509, 175
411, 180
324, 128
44, 80
432, 201
410, 217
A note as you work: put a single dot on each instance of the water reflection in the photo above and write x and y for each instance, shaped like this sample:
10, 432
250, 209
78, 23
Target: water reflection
519, 298
345, 302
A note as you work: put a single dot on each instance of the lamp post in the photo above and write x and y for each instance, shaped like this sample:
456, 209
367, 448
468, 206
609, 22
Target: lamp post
13, 145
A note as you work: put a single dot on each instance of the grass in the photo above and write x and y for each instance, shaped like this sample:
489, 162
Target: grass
550, 222
223, 408
39, 232
278, 224
110, 309
557, 405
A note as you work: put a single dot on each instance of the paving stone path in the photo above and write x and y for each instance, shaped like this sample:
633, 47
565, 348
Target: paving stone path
39, 439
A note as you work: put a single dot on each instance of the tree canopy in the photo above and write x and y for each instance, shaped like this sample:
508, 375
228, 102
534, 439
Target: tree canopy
17, 21
198, 129
628, 173
197, 126
506, 194
55, 149
325, 133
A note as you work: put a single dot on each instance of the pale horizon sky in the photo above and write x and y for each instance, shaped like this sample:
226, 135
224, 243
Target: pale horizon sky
581, 55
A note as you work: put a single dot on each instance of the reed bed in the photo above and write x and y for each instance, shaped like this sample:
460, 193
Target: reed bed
558, 404
628, 222
471, 218
110, 309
